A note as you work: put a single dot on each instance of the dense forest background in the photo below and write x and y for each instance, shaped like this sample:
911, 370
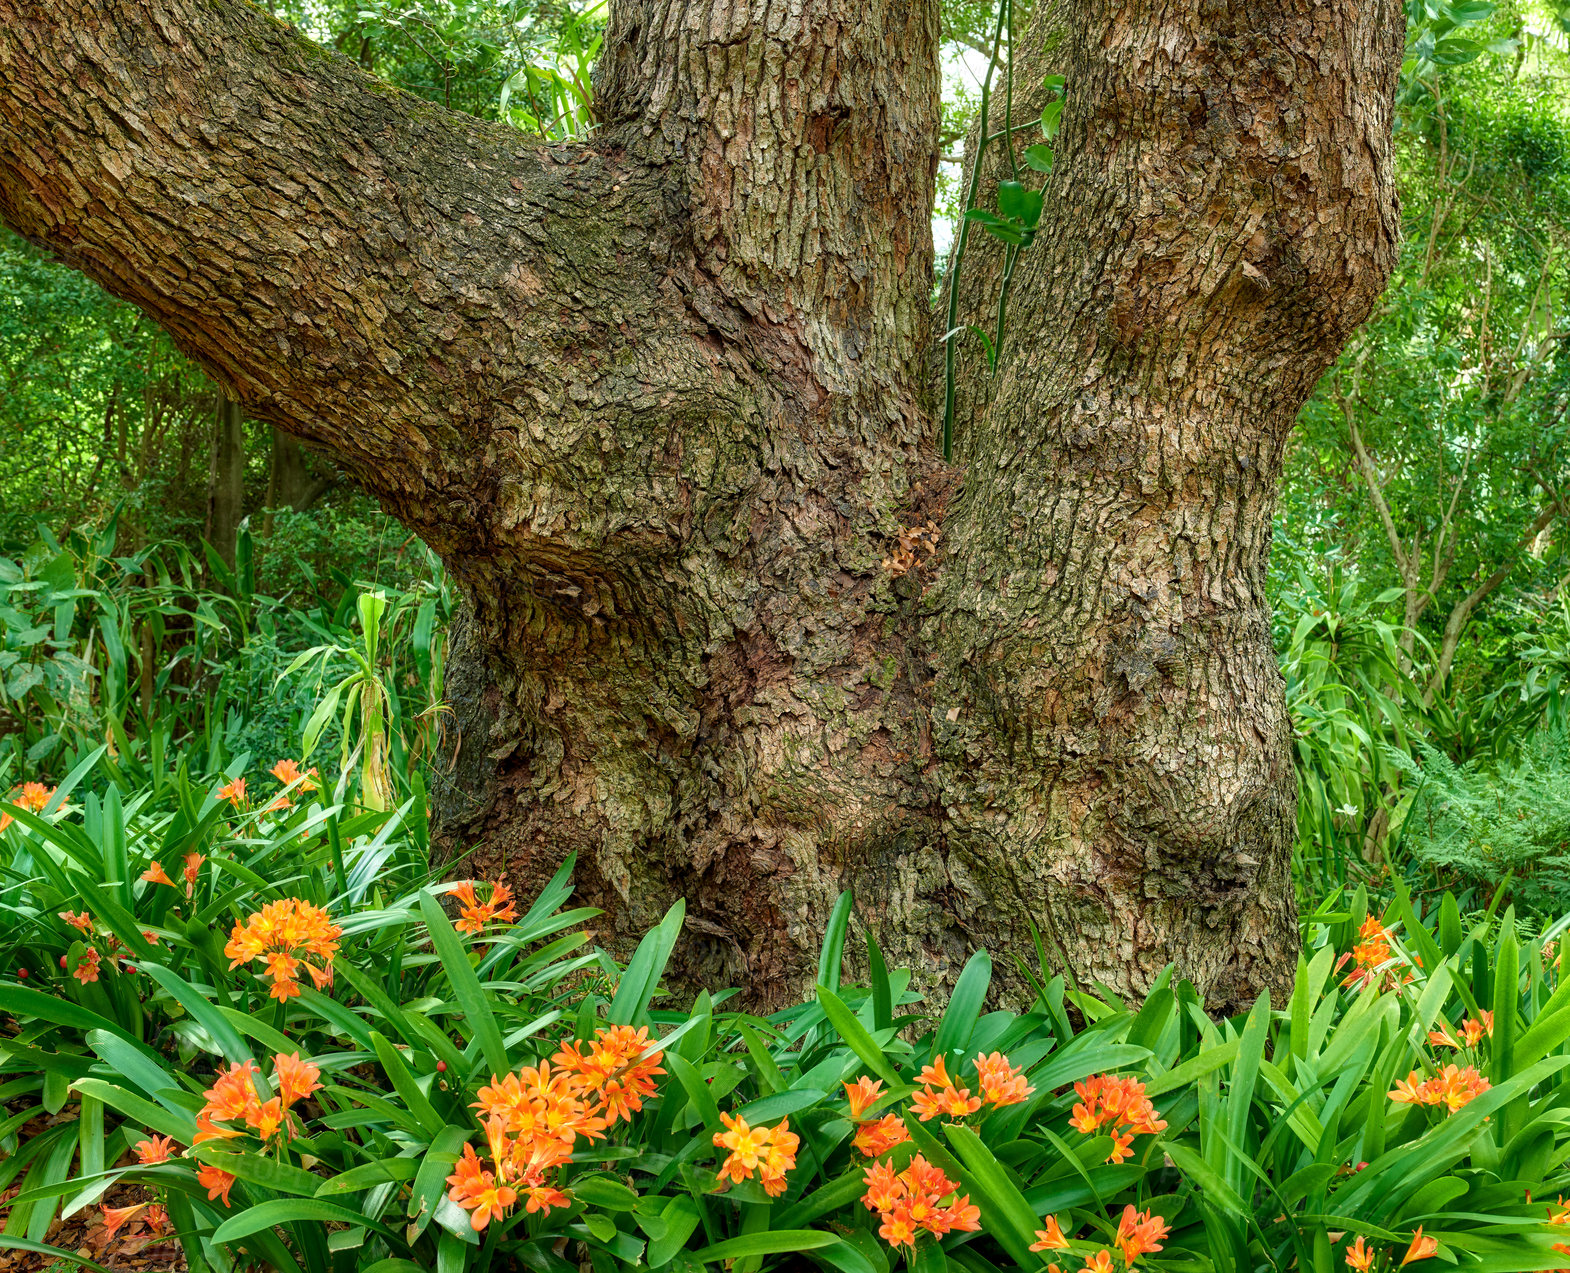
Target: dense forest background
166, 565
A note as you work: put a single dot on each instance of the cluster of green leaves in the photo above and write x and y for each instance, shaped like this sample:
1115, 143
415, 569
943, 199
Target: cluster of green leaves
1281, 1141
159, 652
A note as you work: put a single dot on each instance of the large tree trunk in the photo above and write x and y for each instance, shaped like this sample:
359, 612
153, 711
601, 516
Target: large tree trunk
661, 403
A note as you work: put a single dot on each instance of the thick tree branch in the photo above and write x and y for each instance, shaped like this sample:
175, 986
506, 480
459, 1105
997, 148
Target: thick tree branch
395, 282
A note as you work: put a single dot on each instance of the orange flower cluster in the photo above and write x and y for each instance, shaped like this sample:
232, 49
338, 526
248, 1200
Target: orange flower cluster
282, 934
233, 1098
911, 1202
1473, 1031
1359, 1256
476, 914
769, 1151
1451, 1087
287, 772
33, 796
532, 1119
84, 921
152, 1152
877, 1135
1421, 1249
614, 1076
1139, 1232
234, 792
1121, 1107
86, 969
1558, 1213
941, 1095
1051, 1238
114, 1218
1370, 953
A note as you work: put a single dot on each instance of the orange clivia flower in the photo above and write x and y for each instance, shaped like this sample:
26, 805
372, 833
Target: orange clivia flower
1051, 1238
880, 1135
941, 1096
156, 1150
84, 921
216, 1181
613, 1076
912, 1201
155, 874
862, 1094
233, 791
296, 1079
1139, 1233
1100, 1262
157, 1220
86, 969
286, 771
233, 1098
1453, 1087
115, 1217
285, 936
770, 1151
5, 820
1359, 1257
1473, 1031
475, 915
193, 864
1001, 1084
1421, 1249
1118, 1106
533, 1118
34, 797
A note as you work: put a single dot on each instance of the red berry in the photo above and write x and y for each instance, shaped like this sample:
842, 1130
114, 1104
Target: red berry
441, 1067
22, 972
62, 961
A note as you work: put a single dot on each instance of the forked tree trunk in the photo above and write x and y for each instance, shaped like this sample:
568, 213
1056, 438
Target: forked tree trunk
661, 402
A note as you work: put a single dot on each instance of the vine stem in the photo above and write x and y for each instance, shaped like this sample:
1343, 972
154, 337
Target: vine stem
1004, 8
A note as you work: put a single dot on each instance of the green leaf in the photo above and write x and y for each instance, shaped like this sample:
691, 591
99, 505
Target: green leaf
1005, 1213
207, 1016
832, 955
368, 1176
1039, 157
779, 1242
959, 1020
290, 1210
856, 1037
258, 1170
641, 980
465, 985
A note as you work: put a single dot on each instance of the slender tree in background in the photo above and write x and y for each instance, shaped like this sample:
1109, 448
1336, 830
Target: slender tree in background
226, 478
734, 631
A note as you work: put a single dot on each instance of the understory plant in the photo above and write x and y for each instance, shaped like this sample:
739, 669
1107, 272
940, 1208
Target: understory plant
306, 1062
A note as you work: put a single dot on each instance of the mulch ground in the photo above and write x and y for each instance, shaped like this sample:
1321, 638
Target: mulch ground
133, 1247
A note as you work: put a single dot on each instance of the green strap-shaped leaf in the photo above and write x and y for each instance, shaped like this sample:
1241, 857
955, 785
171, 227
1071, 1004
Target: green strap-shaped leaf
856, 1038
289, 1210
777, 1242
206, 1014
465, 985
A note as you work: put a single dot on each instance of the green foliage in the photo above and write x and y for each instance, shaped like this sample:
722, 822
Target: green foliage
1272, 1138
1479, 823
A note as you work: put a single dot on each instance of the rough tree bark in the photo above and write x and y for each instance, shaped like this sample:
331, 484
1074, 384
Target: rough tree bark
661, 402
